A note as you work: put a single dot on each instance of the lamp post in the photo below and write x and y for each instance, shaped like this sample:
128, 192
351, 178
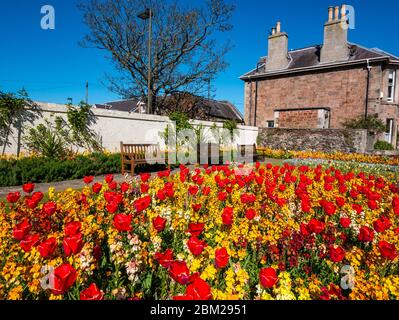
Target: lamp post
147, 14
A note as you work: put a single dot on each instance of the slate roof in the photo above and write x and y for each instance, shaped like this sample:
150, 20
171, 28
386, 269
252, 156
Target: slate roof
310, 57
129, 105
223, 110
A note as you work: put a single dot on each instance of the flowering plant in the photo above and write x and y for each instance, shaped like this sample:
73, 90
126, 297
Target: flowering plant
219, 232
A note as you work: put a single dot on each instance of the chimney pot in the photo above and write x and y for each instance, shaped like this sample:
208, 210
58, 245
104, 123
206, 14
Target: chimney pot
278, 28
330, 14
336, 13
273, 31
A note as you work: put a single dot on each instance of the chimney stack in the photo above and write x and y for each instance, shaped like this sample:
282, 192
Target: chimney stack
335, 47
277, 49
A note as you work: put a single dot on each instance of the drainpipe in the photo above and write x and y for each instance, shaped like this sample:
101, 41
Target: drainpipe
256, 102
256, 95
367, 89
250, 103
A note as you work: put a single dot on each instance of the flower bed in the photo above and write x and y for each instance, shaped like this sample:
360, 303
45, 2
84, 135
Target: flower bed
338, 156
266, 232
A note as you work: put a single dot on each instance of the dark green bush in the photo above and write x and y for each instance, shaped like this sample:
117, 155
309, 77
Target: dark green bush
383, 146
40, 169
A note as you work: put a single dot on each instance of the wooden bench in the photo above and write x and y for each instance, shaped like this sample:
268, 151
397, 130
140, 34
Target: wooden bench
135, 154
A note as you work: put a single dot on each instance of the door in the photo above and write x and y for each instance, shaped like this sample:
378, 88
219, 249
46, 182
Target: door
389, 131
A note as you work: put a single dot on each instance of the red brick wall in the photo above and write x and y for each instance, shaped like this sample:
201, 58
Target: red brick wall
298, 119
342, 91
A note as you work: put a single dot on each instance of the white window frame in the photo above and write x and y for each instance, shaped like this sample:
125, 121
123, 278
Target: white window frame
391, 98
270, 122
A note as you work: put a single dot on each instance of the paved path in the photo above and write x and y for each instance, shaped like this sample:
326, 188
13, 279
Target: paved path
59, 186
79, 184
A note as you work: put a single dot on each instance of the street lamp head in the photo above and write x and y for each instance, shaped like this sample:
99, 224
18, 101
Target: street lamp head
146, 14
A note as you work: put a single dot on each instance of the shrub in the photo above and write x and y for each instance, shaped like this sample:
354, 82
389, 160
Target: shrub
372, 123
41, 169
383, 146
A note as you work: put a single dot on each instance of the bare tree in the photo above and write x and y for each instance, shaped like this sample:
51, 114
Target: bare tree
185, 53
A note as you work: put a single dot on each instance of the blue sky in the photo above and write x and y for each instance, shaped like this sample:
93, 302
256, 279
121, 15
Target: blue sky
53, 67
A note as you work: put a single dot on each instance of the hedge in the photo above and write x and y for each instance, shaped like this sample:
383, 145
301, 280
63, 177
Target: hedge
14, 172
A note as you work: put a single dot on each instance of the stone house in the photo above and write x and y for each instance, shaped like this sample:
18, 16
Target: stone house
322, 86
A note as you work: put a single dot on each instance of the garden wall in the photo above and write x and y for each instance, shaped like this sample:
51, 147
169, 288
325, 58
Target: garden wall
115, 126
326, 140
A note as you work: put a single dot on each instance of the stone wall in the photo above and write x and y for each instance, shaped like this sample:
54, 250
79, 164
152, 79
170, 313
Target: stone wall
326, 140
115, 126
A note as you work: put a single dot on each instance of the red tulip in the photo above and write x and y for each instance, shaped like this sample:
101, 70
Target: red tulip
92, 293
248, 198
47, 248
13, 197
64, 278
112, 207
97, 187
165, 259
50, 208
179, 272
31, 203
142, 203
358, 208
72, 228
22, 229
316, 226
366, 234
382, 224
196, 246
250, 214
328, 207
123, 222
197, 207
161, 195
112, 185
268, 277
37, 196
88, 180
387, 250
159, 224
145, 177
144, 188
199, 290
109, 178
304, 230
222, 196
221, 258
345, 222
193, 190
125, 187
195, 229
337, 254
227, 216
28, 187
29, 241
73, 244
372, 204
